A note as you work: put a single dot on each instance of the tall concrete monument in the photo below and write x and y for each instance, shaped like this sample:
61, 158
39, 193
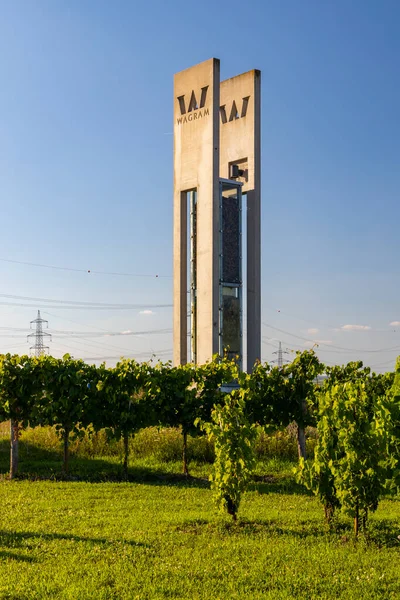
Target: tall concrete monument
216, 175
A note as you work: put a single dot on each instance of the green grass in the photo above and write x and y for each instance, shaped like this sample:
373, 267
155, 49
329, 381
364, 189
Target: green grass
163, 540
98, 455
158, 536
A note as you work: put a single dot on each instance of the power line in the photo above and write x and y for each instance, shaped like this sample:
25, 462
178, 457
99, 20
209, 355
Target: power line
125, 353
304, 347
155, 353
264, 341
330, 345
15, 346
314, 323
317, 349
98, 330
83, 307
95, 345
382, 364
75, 322
388, 362
72, 350
87, 271
85, 334
102, 345
105, 332
82, 304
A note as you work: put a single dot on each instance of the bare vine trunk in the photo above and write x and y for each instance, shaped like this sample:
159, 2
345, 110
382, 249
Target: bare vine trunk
301, 442
356, 521
301, 435
364, 521
14, 439
184, 455
329, 512
66, 450
126, 453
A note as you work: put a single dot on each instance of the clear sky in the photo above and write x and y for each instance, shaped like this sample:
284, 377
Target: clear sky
86, 106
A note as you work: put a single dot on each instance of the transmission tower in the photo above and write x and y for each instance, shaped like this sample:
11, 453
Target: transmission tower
39, 336
280, 354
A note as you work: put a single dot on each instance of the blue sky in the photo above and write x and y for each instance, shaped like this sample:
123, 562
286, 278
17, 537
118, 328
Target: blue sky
86, 167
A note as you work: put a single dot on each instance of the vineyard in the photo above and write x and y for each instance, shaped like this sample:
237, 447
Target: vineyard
356, 414
297, 469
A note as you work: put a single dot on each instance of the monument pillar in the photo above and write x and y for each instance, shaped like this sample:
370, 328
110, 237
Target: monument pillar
216, 162
196, 168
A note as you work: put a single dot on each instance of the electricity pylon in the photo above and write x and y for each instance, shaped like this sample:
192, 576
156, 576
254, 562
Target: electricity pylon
280, 354
39, 336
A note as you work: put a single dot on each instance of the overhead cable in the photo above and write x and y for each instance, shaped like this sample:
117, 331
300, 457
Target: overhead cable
88, 271
330, 345
108, 305
85, 307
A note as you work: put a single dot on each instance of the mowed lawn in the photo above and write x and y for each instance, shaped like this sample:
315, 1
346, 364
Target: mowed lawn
164, 539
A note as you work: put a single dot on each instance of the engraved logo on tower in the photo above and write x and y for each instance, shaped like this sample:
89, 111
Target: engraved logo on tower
234, 112
195, 110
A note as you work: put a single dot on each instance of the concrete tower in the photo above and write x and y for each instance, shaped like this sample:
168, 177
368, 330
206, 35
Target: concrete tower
216, 171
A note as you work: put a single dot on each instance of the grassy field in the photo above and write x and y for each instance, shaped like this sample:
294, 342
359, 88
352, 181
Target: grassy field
158, 536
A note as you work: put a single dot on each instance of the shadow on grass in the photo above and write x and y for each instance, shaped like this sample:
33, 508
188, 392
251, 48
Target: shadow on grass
5, 555
38, 464
381, 534
256, 527
15, 538
272, 526
281, 484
